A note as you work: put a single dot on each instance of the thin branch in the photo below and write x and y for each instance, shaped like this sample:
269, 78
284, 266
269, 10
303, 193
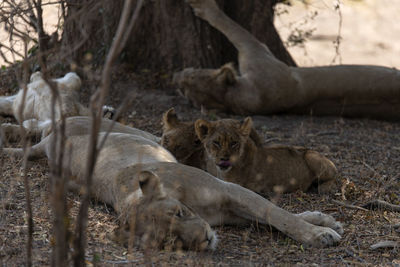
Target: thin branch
96, 103
338, 40
349, 206
381, 205
385, 244
23, 82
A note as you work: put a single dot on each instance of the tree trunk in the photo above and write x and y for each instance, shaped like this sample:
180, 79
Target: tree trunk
167, 35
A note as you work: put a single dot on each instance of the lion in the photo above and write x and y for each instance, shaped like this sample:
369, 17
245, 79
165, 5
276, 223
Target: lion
246, 161
181, 140
262, 169
265, 85
165, 203
37, 108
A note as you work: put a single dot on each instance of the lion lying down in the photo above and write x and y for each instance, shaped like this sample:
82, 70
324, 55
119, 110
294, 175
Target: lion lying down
234, 152
37, 108
265, 85
171, 204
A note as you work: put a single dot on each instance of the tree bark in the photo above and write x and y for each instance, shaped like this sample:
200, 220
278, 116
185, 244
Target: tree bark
167, 36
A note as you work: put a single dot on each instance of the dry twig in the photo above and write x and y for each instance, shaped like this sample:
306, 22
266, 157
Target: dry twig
96, 103
381, 205
385, 244
349, 206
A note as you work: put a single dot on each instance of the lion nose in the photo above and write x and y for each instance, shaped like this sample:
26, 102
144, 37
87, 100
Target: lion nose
212, 239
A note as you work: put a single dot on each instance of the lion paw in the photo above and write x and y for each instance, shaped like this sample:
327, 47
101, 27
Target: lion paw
203, 8
324, 237
320, 219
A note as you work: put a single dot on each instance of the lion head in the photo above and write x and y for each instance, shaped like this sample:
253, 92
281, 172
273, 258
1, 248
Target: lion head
160, 221
181, 140
191, 83
224, 140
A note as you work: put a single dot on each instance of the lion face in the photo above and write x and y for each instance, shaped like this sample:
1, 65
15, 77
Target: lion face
192, 82
161, 221
181, 140
224, 140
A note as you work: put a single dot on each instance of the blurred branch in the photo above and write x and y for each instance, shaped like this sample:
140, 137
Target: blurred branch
96, 103
339, 38
22, 78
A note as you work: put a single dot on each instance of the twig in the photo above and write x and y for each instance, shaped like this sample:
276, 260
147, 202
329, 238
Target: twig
96, 103
339, 35
269, 140
368, 166
381, 205
349, 206
59, 255
23, 82
385, 244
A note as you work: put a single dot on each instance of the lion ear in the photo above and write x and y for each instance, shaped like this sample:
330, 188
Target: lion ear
202, 128
170, 120
226, 75
150, 184
246, 126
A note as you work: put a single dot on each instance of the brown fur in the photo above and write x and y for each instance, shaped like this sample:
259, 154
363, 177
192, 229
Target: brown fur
165, 203
181, 140
265, 85
262, 169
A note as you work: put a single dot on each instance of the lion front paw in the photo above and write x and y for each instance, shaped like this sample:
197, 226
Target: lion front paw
320, 219
324, 237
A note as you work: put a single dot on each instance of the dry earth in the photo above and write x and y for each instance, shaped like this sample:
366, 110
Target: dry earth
366, 152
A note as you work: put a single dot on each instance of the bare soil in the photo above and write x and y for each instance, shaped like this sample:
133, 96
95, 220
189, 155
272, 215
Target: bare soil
366, 152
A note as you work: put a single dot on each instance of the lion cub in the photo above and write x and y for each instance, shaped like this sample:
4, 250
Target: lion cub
233, 151
181, 140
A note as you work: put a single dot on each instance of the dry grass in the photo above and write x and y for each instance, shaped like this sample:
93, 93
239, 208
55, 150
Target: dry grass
366, 152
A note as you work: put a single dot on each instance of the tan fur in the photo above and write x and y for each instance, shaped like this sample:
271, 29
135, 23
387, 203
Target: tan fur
262, 169
265, 85
177, 192
37, 107
181, 140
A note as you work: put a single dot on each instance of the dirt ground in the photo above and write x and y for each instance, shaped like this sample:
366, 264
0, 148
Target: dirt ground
366, 152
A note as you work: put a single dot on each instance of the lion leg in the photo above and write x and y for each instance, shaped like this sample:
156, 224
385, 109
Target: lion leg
35, 152
324, 171
251, 206
321, 219
209, 11
6, 103
32, 127
247, 45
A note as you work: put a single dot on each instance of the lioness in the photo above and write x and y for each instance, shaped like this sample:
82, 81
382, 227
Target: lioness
265, 85
37, 108
234, 152
170, 203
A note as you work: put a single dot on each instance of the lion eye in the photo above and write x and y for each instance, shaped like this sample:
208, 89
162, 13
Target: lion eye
234, 144
179, 213
216, 144
197, 142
